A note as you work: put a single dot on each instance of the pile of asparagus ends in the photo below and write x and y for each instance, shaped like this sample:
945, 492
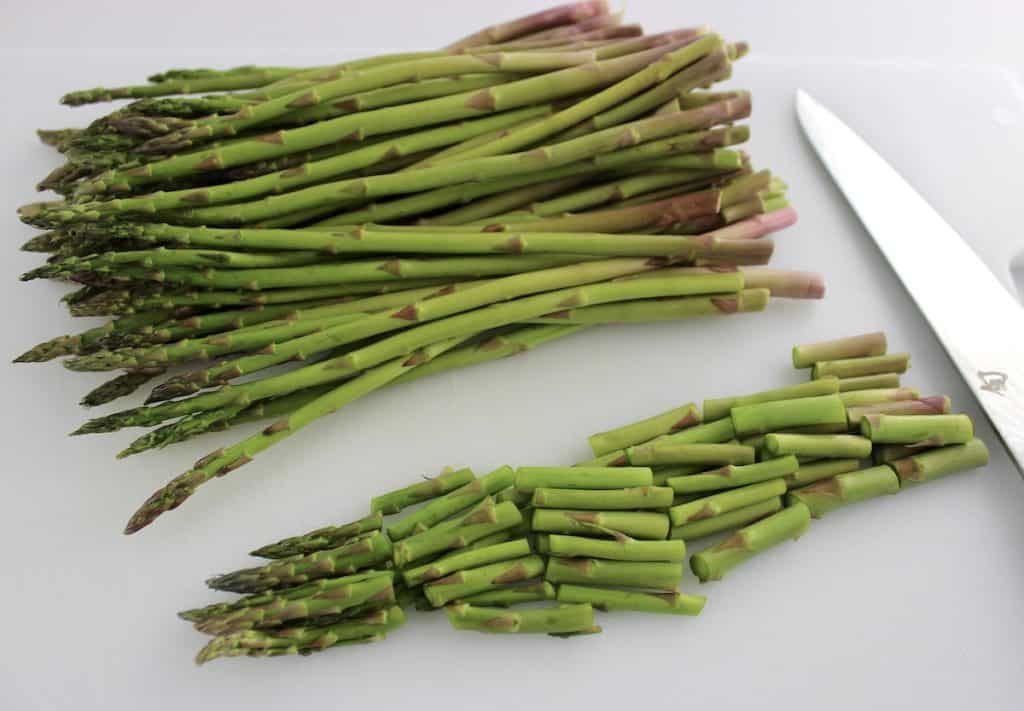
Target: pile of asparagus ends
607, 534
369, 223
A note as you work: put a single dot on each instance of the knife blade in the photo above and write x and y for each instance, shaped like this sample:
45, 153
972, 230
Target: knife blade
978, 322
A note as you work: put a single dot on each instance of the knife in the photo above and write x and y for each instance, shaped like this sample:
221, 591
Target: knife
979, 323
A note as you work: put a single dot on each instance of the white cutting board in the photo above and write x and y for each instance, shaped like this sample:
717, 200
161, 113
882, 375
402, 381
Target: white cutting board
910, 601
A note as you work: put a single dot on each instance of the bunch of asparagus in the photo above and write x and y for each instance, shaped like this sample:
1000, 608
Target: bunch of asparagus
610, 533
372, 222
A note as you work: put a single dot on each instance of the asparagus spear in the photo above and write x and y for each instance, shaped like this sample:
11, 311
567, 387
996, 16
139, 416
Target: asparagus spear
731, 476
719, 408
322, 598
227, 460
607, 599
822, 469
664, 451
623, 548
333, 369
818, 446
485, 519
717, 504
371, 550
639, 497
516, 94
842, 489
394, 501
866, 382
594, 571
727, 521
553, 620
875, 396
451, 503
822, 410
486, 578
663, 309
555, 17
853, 367
513, 595
321, 538
864, 346
930, 465
713, 563
932, 405
460, 560
528, 479
919, 430
303, 640
635, 524
678, 418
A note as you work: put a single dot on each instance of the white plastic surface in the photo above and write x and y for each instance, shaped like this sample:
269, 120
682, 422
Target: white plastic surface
913, 601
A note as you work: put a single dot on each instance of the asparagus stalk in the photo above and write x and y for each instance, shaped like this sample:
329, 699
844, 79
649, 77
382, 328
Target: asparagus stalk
708, 433
727, 521
553, 620
120, 386
731, 476
321, 538
461, 560
319, 167
932, 405
300, 592
854, 367
247, 77
451, 503
346, 84
823, 410
465, 583
394, 501
889, 453
653, 74
823, 469
665, 452
639, 497
444, 303
623, 548
869, 382
863, 346
485, 168
713, 563
787, 284
818, 446
678, 418
662, 309
593, 571
361, 359
875, 396
930, 465
530, 478
484, 520
304, 640
919, 430
720, 408
224, 461
724, 502
608, 599
373, 549
325, 597
561, 17
635, 524
531, 91
842, 489
513, 595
